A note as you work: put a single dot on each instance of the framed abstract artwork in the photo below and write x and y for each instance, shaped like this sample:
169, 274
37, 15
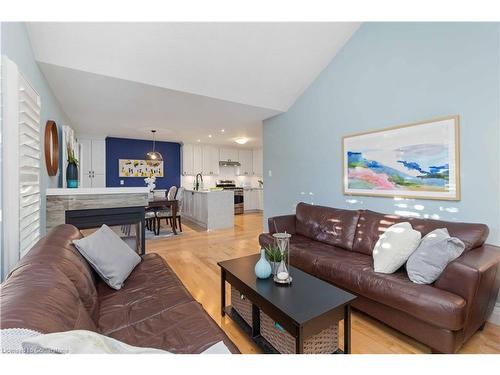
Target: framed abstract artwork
140, 168
420, 160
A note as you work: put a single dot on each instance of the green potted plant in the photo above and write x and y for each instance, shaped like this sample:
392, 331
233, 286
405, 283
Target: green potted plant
71, 169
273, 255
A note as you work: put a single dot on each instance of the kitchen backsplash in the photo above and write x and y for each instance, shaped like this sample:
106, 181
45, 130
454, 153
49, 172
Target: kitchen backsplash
226, 173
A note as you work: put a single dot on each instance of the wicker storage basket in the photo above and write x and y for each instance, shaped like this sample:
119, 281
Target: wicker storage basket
242, 305
324, 342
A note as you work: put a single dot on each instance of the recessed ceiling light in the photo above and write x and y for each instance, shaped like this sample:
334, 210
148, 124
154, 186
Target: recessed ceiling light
210, 136
222, 130
198, 140
241, 140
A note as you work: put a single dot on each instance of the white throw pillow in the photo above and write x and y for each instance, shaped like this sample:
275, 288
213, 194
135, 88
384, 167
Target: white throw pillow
109, 255
394, 247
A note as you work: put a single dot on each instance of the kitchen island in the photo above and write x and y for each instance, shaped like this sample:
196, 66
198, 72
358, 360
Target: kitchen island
208, 208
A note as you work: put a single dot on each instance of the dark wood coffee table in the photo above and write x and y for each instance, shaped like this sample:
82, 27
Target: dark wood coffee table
305, 308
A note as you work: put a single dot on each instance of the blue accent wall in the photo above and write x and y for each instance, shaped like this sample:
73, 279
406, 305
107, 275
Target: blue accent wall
124, 148
390, 74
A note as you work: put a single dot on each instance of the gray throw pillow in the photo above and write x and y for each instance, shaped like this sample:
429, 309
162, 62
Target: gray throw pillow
431, 257
110, 257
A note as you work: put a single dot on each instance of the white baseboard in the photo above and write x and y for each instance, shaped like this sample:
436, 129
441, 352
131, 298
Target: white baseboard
495, 315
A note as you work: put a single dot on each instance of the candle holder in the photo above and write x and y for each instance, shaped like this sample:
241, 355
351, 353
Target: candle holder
282, 241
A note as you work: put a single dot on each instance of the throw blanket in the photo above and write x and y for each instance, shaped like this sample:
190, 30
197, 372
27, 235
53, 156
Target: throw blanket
26, 341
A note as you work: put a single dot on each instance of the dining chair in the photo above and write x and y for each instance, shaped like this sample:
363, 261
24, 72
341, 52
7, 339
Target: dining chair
178, 198
157, 193
150, 214
166, 213
171, 193
149, 217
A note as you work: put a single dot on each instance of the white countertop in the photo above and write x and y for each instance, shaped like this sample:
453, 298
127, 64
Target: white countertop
89, 191
207, 191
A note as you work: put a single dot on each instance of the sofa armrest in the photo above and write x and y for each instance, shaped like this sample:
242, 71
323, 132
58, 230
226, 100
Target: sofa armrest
474, 276
281, 224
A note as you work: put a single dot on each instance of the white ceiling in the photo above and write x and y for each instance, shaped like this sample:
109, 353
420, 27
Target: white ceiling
186, 79
131, 109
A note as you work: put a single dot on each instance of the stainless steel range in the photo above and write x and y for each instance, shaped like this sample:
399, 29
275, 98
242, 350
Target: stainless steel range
238, 194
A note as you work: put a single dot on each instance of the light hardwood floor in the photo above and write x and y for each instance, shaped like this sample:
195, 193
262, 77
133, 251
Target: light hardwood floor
194, 254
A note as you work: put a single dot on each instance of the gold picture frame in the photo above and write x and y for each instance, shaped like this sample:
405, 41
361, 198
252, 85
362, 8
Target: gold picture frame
392, 176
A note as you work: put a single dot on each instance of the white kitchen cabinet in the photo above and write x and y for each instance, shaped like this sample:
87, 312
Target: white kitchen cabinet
247, 200
210, 160
253, 199
229, 154
99, 158
209, 209
257, 162
92, 163
85, 163
197, 159
98, 180
260, 199
192, 206
245, 158
192, 159
187, 159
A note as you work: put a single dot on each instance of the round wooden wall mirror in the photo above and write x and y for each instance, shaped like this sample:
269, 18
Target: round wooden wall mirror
51, 148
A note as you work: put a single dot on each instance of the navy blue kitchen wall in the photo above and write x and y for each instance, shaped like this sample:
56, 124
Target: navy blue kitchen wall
123, 148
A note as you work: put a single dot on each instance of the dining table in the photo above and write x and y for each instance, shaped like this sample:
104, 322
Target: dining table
165, 203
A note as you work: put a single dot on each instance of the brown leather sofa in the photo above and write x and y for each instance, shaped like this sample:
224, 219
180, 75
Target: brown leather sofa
53, 289
336, 246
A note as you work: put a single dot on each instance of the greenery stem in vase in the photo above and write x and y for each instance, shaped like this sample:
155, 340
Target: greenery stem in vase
273, 255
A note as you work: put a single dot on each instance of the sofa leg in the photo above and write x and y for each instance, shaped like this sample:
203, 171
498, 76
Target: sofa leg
481, 327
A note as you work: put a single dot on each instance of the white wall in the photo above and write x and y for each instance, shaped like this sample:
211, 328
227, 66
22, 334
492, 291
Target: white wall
15, 44
389, 74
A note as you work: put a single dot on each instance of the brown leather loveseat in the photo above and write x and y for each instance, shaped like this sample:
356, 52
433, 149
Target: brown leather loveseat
336, 246
53, 289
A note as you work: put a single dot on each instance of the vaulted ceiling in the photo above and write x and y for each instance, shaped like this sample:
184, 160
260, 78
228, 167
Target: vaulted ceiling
187, 80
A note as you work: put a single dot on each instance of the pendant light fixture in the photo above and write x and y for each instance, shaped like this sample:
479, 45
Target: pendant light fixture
154, 155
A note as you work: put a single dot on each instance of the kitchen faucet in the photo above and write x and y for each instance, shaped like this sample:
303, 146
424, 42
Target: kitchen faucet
197, 186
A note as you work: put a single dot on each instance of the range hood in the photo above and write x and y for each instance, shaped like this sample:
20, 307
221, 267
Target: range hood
229, 163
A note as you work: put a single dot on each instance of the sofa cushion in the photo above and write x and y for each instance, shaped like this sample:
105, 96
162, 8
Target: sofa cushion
354, 272
301, 255
324, 224
152, 287
42, 298
56, 249
304, 252
183, 328
372, 224
154, 309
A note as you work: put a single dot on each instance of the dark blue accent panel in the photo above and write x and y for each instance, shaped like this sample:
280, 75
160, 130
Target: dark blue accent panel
123, 148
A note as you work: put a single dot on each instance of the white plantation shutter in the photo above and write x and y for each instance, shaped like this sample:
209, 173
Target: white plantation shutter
21, 154
29, 166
